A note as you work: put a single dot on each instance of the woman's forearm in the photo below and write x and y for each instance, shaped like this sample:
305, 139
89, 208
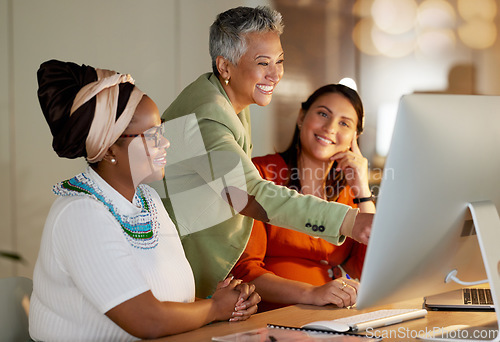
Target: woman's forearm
273, 288
367, 207
285, 291
145, 317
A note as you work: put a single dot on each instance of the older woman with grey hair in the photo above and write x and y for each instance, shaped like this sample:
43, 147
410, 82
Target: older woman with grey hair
212, 189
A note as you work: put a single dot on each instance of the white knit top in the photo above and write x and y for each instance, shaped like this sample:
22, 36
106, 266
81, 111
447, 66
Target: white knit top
87, 265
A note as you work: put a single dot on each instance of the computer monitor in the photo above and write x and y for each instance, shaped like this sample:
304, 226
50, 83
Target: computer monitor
444, 154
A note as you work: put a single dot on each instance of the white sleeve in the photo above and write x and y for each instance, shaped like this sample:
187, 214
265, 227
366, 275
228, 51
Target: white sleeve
91, 248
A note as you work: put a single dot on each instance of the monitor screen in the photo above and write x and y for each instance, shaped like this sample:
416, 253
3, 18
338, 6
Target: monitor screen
445, 153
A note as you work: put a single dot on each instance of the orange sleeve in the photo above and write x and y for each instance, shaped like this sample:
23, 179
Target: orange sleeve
251, 263
354, 263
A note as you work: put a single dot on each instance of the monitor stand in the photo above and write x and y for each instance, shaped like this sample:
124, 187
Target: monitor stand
487, 224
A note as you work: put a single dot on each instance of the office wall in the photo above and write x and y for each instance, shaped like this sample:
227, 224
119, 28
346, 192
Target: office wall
318, 51
6, 232
162, 43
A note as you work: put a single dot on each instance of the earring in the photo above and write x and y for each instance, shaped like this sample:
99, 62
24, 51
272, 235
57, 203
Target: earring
113, 161
226, 81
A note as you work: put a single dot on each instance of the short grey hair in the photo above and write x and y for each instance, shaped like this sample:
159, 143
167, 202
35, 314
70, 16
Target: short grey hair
227, 33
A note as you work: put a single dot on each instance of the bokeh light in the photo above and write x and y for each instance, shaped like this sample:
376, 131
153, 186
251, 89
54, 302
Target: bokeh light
477, 9
362, 37
349, 82
436, 42
478, 33
396, 28
362, 8
436, 14
394, 16
391, 45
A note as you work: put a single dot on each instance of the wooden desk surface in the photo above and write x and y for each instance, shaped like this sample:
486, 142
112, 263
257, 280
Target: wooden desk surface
297, 315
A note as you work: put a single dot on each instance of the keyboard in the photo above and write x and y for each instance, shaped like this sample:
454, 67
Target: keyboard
380, 318
374, 319
477, 296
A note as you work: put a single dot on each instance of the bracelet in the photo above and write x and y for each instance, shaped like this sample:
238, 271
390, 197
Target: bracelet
363, 199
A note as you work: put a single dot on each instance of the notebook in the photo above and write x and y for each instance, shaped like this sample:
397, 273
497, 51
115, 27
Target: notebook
369, 320
280, 333
461, 299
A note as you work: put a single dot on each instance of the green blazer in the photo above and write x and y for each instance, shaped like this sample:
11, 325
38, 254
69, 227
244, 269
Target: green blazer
210, 151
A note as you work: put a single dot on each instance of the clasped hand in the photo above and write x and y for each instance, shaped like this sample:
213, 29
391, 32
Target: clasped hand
235, 300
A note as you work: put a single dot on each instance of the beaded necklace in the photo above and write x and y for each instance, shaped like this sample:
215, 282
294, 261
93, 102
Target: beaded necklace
140, 230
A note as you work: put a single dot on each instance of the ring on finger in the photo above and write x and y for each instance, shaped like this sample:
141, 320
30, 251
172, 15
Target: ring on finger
344, 285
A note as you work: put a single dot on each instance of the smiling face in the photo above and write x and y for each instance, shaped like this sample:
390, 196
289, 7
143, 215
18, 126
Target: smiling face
145, 153
327, 127
257, 72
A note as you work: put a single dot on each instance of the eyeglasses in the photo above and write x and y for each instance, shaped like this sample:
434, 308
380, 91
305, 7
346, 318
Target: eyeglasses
153, 134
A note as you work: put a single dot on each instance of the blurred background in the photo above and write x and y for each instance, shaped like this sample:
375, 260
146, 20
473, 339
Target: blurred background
385, 48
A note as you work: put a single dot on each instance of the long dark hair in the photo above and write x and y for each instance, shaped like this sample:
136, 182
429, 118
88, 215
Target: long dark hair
335, 181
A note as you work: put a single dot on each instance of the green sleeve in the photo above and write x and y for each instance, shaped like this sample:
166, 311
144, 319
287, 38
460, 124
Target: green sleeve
210, 151
222, 162
284, 207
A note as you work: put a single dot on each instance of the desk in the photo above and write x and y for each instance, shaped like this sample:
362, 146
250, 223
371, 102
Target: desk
297, 315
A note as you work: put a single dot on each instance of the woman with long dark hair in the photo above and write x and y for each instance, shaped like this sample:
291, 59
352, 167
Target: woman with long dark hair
323, 160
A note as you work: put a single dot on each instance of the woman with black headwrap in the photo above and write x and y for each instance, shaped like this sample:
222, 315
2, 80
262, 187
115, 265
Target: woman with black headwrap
111, 265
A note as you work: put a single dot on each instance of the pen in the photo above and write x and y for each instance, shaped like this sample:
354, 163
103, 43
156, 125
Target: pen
350, 306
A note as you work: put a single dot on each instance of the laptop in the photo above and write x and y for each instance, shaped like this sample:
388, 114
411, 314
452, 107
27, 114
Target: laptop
461, 299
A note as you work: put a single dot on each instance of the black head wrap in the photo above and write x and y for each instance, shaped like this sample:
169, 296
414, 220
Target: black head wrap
58, 84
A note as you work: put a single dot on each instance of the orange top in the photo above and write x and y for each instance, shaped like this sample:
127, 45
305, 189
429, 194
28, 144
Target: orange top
291, 254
